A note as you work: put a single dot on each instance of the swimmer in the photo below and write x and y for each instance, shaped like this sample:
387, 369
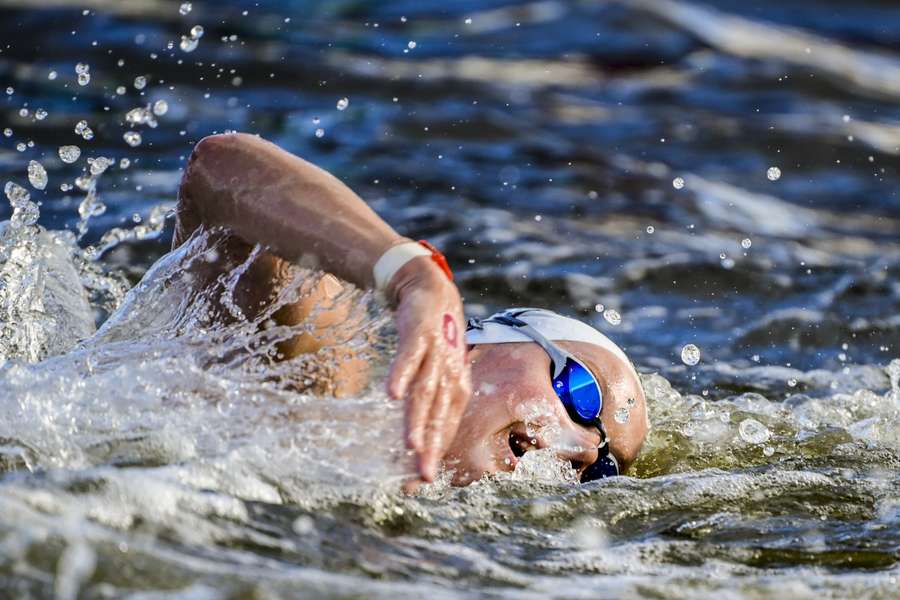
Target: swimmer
478, 395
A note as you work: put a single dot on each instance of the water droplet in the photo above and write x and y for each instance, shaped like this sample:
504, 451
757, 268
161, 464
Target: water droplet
612, 316
84, 78
141, 115
83, 182
121, 90
23, 112
774, 173
188, 44
678, 183
65, 187
197, 32
51, 75
746, 243
140, 82
124, 163
100, 164
599, 308
320, 132
753, 432
846, 118
160, 107
81, 68
37, 175
25, 212
16, 193
768, 450
468, 21
792, 382
690, 355
8, 132
411, 45
69, 154
21, 147
650, 229
10, 91
40, 114
132, 138
621, 415
185, 8
342, 103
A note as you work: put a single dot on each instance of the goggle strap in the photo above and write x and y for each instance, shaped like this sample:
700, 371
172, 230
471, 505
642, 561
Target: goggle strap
558, 358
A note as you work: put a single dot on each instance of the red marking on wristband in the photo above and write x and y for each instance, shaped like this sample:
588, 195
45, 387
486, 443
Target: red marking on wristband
451, 332
439, 259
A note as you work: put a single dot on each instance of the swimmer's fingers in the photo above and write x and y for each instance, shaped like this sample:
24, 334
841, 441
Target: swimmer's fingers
450, 403
458, 404
438, 420
418, 406
410, 355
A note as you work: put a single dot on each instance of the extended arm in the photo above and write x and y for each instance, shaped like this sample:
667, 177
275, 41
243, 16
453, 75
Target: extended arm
267, 196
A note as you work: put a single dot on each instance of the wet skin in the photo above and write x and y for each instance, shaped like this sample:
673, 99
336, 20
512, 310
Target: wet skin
514, 410
262, 195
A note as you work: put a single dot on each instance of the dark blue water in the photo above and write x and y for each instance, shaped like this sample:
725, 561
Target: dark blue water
537, 145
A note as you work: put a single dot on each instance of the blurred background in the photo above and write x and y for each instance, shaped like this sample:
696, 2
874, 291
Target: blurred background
718, 173
713, 183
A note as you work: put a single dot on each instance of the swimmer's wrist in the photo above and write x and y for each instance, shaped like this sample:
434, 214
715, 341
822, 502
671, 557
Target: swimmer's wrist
408, 265
417, 274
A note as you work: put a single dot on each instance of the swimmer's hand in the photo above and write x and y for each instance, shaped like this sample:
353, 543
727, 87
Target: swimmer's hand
430, 370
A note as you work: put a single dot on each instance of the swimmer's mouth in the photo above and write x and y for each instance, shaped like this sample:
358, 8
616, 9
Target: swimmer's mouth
519, 444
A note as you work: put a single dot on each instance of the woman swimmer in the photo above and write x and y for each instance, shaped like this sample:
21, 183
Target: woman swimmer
540, 380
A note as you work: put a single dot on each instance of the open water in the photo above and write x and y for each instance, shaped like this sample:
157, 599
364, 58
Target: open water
722, 174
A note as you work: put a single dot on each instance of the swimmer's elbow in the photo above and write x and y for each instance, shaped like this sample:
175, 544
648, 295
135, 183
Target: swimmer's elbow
217, 149
213, 175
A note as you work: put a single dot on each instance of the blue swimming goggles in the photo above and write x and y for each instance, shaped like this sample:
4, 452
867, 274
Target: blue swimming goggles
574, 384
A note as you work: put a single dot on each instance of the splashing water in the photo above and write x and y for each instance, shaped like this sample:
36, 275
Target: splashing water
690, 355
37, 175
169, 454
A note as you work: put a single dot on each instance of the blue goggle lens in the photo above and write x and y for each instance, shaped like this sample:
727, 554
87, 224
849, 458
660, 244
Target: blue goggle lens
579, 393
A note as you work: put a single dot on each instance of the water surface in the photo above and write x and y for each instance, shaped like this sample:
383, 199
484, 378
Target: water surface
539, 144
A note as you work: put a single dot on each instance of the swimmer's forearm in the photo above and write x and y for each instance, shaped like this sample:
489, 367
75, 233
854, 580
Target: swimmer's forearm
268, 196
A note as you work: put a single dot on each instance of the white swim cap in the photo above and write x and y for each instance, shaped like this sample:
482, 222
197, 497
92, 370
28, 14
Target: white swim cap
551, 325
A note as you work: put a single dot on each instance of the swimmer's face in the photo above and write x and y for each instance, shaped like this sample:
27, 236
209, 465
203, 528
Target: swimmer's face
514, 410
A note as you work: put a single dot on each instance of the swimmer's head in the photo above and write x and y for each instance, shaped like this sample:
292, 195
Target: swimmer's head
514, 408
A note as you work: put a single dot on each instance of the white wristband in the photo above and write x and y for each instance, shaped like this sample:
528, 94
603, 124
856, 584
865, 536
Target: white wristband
394, 259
